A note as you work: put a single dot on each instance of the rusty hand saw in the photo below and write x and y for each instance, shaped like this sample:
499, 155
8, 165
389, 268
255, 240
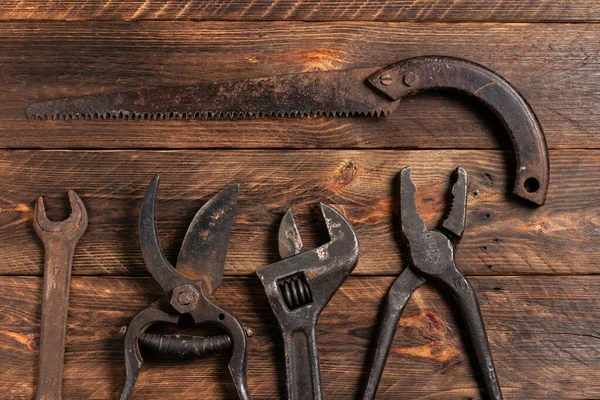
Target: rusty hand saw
349, 92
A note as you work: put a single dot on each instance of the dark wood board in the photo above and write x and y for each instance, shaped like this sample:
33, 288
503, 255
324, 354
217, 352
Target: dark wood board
555, 71
303, 10
503, 235
544, 346
536, 271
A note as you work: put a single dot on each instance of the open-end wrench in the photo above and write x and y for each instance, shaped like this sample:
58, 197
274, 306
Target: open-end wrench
299, 287
59, 240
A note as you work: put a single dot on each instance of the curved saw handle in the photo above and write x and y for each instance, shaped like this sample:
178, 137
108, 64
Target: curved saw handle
418, 74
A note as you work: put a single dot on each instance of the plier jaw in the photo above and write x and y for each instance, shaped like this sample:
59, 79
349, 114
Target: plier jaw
453, 223
432, 252
187, 288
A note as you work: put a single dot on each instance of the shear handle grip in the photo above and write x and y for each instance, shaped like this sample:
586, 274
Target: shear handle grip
396, 301
303, 376
469, 308
419, 74
210, 313
237, 362
133, 357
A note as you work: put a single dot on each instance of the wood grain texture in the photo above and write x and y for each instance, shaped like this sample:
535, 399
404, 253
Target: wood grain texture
556, 71
544, 347
503, 235
536, 271
303, 10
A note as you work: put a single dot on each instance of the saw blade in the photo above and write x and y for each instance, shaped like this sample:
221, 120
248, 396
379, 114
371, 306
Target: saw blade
322, 93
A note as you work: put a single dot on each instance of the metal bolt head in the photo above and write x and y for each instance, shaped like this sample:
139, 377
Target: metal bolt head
385, 79
410, 78
185, 298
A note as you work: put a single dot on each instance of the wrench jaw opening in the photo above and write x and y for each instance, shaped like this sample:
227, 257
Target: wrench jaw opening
305, 282
77, 221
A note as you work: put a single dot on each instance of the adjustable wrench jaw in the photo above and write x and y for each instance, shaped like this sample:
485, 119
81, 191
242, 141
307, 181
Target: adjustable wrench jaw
312, 277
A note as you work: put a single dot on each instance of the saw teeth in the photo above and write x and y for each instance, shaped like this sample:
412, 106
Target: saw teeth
205, 115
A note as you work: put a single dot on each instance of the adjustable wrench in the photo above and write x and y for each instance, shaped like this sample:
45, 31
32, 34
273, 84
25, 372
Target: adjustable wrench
59, 240
299, 287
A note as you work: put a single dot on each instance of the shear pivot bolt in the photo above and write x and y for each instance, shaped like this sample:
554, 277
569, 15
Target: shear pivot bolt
185, 298
386, 79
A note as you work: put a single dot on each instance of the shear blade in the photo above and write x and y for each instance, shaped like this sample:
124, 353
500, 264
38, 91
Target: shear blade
204, 248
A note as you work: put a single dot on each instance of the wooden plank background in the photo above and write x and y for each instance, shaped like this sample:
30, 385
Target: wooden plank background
535, 270
303, 10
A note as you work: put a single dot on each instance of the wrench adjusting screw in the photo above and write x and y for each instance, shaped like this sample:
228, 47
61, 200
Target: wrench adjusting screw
295, 291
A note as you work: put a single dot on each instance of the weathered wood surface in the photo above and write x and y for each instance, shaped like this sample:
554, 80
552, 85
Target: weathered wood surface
557, 72
539, 295
503, 235
543, 333
303, 10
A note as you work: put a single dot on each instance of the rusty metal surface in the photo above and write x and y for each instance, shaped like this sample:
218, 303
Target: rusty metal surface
299, 287
432, 257
360, 91
60, 239
204, 247
288, 240
187, 290
343, 92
